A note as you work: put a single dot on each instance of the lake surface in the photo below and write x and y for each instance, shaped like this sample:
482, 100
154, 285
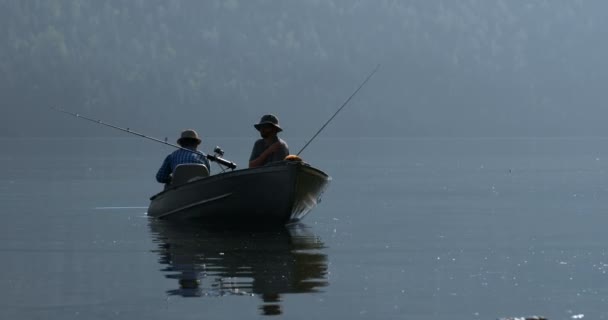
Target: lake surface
408, 229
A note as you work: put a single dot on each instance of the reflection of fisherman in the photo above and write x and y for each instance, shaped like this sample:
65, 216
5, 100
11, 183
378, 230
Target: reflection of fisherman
189, 139
270, 148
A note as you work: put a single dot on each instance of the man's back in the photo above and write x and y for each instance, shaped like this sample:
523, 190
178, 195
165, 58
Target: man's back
176, 158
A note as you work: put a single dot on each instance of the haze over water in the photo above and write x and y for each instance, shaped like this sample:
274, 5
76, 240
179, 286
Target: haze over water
469, 174
442, 229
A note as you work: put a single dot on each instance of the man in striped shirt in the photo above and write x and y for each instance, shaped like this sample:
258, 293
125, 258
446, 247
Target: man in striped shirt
189, 140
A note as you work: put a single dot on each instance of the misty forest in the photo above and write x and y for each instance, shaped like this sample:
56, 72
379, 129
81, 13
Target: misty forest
448, 68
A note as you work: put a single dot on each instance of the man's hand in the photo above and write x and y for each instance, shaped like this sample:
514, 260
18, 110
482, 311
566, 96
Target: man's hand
262, 158
274, 148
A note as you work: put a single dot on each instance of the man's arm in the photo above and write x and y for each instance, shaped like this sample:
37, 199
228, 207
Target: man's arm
261, 159
284, 151
164, 172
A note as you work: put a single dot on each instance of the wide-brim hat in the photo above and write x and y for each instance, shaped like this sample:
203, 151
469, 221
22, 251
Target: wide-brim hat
269, 119
189, 135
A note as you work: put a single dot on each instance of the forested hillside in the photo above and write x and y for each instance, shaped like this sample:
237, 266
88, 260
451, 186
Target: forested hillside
468, 67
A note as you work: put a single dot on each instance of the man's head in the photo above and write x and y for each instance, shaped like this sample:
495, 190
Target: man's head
268, 126
189, 139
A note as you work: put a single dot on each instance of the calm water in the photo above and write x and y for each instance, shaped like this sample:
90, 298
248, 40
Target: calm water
409, 229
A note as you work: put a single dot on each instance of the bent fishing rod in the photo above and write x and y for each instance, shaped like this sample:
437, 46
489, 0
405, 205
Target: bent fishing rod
343, 105
213, 158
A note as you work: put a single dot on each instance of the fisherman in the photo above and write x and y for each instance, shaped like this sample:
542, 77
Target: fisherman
270, 148
189, 140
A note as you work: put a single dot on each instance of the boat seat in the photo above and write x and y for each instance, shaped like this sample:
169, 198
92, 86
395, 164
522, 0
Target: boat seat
185, 173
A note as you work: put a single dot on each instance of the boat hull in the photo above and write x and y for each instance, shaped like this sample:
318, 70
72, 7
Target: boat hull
281, 193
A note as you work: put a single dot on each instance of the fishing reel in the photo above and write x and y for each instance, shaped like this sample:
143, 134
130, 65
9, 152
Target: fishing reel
217, 158
218, 151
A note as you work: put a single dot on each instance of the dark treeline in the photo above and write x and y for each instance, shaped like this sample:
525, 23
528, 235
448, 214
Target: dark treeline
470, 67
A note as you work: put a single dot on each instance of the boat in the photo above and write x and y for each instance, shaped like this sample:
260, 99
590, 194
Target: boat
278, 193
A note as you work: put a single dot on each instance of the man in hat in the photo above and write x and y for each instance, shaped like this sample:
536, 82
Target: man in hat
270, 148
189, 140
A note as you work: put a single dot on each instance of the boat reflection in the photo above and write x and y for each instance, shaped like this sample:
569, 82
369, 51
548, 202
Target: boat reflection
267, 263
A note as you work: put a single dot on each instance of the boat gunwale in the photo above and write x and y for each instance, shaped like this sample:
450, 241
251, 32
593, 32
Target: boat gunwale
279, 166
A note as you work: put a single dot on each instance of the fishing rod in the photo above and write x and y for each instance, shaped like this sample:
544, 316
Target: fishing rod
343, 105
213, 158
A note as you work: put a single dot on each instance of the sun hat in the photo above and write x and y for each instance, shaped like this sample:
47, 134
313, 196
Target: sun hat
270, 119
189, 134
